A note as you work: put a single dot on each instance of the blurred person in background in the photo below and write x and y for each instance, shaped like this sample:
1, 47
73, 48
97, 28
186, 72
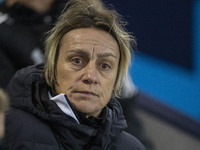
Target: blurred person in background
4, 104
23, 24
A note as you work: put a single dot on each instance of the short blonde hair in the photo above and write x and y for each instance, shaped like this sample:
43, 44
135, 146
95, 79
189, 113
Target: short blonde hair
4, 103
88, 14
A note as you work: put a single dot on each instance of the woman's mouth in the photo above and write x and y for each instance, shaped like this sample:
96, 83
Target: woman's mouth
87, 93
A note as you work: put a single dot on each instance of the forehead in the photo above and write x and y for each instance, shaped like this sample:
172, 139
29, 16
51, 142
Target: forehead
88, 38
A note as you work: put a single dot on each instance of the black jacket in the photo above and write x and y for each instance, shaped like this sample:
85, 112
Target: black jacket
36, 123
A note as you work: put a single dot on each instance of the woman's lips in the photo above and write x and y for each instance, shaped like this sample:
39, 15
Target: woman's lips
86, 93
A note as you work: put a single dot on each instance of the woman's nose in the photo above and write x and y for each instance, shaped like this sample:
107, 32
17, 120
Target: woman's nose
90, 74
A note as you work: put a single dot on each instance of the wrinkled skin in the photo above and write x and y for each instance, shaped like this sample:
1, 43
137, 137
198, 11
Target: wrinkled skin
87, 69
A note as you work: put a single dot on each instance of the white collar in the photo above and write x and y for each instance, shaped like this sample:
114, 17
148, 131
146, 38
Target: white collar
63, 105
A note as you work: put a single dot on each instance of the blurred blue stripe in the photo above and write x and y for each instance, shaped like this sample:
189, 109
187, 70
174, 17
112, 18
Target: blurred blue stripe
174, 86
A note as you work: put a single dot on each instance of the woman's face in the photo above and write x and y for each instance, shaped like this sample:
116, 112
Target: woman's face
87, 69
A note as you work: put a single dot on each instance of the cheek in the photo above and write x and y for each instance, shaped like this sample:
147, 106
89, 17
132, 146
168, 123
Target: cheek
108, 87
63, 72
112, 81
67, 80
63, 79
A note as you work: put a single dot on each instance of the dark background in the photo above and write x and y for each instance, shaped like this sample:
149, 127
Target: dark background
162, 28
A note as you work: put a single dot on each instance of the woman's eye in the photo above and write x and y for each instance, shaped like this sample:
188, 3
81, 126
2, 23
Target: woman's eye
105, 66
77, 61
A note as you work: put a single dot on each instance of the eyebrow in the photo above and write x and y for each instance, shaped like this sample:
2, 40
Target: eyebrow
83, 52
106, 55
78, 51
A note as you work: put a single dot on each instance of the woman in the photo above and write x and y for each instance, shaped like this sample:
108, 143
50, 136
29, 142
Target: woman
68, 103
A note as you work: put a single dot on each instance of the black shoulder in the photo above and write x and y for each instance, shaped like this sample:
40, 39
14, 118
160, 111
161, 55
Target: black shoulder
126, 141
24, 130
